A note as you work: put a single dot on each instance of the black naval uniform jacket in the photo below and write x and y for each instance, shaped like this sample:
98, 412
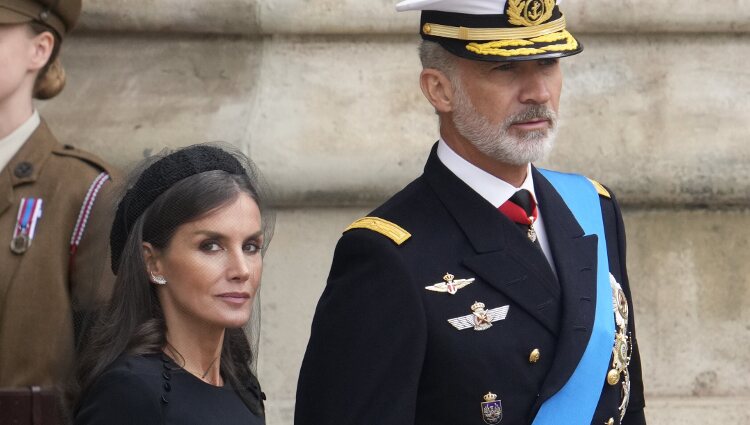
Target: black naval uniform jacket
381, 350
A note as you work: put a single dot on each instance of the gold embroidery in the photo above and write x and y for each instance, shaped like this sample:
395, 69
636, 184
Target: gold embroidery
497, 48
571, 44
552, 38
505, 52
529, 13
384, 227
501, 44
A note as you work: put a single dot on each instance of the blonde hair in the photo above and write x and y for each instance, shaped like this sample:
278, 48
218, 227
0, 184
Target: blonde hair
51, 79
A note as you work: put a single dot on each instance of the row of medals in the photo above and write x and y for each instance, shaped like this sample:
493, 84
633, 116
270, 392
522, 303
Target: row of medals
621, 351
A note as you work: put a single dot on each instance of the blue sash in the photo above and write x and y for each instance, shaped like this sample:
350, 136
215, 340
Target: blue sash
576, 401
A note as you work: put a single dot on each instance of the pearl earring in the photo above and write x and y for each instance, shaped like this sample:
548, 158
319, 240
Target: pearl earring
159, 280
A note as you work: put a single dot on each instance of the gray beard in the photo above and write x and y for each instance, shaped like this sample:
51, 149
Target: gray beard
497, 141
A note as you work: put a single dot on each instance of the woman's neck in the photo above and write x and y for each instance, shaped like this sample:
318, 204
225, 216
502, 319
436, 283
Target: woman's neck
14, 111
197, 349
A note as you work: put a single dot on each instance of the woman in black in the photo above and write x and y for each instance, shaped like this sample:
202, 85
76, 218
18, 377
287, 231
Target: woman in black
187, 246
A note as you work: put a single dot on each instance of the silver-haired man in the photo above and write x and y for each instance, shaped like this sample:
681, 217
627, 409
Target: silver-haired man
487, 290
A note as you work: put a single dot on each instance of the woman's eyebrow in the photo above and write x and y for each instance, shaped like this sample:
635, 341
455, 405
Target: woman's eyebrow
209, 233
256, 235
217, 235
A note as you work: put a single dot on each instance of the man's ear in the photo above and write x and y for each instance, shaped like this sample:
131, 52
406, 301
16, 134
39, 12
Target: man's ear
42, 46
438, 89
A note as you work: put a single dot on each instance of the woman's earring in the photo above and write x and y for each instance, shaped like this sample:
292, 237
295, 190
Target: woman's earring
159, 280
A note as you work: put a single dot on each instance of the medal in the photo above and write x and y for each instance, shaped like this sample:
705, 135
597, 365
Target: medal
19, 244
625, 393
622, 349
29, 212
532, 233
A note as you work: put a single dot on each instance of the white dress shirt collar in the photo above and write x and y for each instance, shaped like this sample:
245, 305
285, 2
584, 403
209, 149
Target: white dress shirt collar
489, 187
10, 144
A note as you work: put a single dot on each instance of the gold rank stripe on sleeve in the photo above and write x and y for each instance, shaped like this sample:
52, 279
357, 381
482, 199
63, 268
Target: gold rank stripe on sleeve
600, 189
390, 230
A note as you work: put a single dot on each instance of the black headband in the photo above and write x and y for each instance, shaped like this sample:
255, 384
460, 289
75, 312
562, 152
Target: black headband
156, 179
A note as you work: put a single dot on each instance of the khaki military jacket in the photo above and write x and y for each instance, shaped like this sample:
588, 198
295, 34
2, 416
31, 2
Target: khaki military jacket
41, 288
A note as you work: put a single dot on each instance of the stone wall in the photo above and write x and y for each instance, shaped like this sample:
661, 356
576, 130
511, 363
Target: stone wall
323, 94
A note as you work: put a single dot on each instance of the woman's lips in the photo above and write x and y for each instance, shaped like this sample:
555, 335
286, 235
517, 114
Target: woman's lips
234, 297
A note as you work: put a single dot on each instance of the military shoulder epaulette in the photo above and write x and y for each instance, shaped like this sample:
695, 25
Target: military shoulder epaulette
89, 158
600, 189
390, 230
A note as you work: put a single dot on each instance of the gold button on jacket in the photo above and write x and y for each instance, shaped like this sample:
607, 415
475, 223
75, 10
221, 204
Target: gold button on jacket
534, 356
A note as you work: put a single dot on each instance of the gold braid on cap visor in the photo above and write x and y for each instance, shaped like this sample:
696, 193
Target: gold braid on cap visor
523, 40
563, 39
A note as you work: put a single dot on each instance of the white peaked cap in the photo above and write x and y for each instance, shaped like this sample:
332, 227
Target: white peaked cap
495, 30
471, 7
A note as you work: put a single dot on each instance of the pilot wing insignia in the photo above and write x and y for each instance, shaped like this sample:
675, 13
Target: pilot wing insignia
480, 319
450, 285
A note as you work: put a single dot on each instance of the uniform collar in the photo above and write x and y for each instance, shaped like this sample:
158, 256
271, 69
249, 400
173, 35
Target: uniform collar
489, 187
33, 153
26, 165
11, 143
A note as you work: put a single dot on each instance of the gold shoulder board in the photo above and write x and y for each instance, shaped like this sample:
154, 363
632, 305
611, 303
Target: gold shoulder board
390, 230
599, 188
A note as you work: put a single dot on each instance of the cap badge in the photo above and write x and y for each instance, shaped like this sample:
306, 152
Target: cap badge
450, 285
29, 212
529, 13
492, 409
480, 319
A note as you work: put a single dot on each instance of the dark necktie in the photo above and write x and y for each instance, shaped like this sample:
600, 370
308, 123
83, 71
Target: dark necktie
521, 209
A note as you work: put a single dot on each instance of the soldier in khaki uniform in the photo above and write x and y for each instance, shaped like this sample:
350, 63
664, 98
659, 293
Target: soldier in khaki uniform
54, 213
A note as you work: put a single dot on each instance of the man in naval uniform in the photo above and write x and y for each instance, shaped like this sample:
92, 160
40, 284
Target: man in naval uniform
487, 290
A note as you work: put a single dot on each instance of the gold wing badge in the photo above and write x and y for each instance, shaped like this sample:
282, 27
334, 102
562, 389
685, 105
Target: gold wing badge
450, 285
479, 319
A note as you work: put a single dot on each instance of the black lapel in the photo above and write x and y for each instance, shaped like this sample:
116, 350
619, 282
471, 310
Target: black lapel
575, 258
503, 257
